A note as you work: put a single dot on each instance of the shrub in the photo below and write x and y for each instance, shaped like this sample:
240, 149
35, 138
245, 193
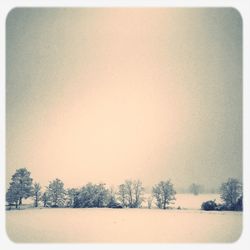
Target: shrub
239, 204
221, 207
115, 205
209, 205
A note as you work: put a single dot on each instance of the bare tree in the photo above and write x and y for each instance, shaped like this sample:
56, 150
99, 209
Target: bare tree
122, 195
36, 193
138, 193
130, 193
164, 193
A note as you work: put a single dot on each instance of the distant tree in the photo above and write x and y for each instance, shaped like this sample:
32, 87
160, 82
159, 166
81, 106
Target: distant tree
86, 196
122, 195
150, 200
77, 202
56, 193
20, 186
130, 193
164, 193
112, 202
231, 192
45, 199
212, 190
138, 193
195, 189
101, 197
36, 193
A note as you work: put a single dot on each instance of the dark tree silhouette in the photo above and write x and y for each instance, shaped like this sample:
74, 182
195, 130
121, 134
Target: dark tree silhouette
12, 196
20, 186
231, 192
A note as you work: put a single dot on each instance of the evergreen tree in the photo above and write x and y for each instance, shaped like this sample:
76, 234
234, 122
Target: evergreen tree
12, 196
20, 186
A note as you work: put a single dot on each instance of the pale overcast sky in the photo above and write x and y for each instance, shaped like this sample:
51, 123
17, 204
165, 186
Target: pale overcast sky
109, 94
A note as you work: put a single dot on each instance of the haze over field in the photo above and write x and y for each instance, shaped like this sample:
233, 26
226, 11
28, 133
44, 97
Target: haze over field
109, 94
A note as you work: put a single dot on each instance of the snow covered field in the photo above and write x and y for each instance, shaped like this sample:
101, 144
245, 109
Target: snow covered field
190, 201
125, 225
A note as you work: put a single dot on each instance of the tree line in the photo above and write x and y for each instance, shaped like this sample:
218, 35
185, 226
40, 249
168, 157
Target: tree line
129, 194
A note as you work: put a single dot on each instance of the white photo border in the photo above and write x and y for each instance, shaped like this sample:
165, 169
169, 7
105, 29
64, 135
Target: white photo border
243, 7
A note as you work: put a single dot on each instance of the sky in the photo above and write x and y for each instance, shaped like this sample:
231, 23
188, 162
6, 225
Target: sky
104, 95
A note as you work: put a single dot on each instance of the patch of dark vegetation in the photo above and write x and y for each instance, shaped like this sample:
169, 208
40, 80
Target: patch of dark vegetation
231, 194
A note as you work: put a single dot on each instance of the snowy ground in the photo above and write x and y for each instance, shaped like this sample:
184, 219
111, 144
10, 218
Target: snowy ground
125, 225
190, 201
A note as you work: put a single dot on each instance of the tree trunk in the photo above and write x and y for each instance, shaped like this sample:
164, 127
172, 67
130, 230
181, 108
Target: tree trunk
20, 201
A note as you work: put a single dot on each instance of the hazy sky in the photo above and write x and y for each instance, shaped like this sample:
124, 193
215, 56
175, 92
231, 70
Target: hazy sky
109, 94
